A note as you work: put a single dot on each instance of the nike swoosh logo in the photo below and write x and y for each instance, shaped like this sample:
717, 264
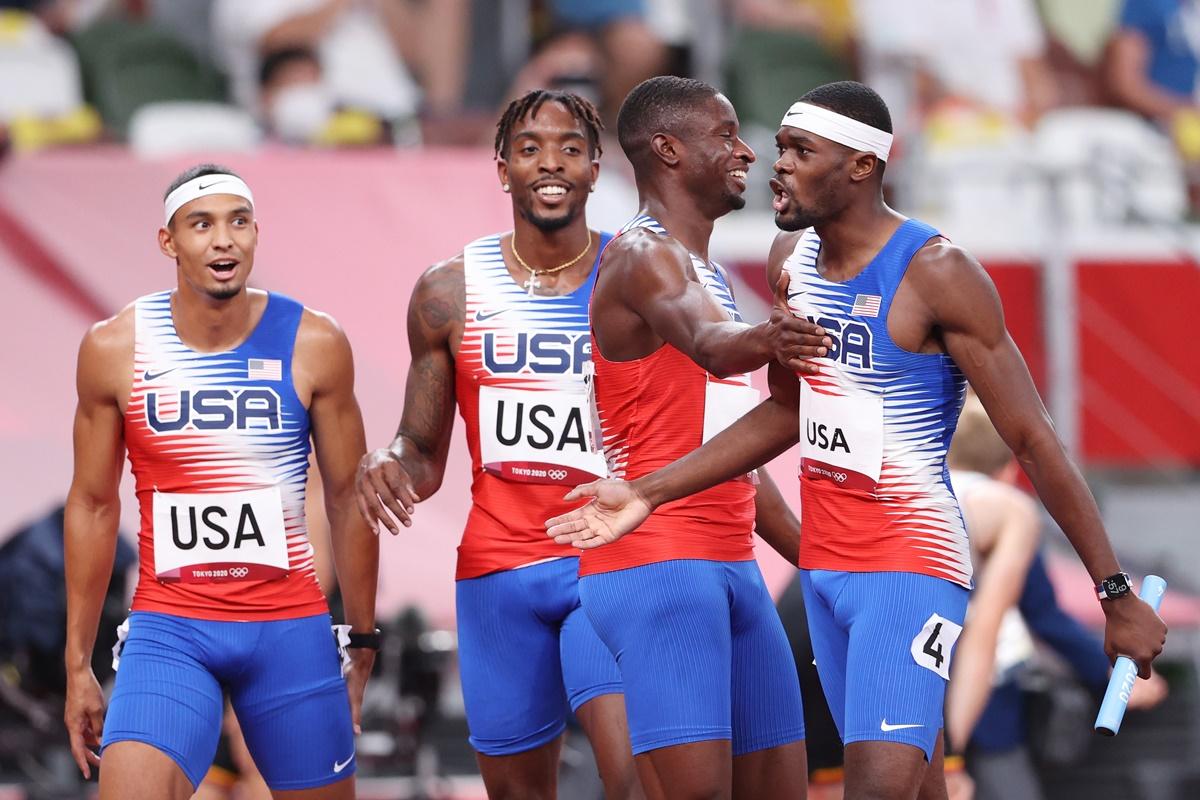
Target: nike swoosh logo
202, 187
338, 766
883, 726
152, 376
480, 316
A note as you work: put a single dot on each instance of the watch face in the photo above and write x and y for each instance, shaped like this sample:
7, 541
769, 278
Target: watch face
1116, 585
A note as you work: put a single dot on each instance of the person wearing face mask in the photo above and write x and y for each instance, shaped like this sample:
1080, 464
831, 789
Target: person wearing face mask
298, 106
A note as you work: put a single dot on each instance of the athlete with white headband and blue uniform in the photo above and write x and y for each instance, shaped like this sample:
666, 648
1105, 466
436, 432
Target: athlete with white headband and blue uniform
884, 559
215, 390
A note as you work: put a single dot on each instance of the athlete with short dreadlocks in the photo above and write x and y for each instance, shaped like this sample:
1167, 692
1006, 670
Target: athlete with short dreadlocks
502, 329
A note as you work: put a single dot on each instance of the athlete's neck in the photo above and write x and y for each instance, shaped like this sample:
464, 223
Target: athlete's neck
545, 250
854, 237
209, 325
682, 217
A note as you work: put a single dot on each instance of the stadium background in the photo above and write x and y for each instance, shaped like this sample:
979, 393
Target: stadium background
1026, 131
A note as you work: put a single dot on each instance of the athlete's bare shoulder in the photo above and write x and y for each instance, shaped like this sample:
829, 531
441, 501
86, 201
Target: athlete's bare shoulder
439, 297
106, 355
634, 249
940, 259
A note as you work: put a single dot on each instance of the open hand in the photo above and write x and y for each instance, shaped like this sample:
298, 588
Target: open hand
795, 340
616, 509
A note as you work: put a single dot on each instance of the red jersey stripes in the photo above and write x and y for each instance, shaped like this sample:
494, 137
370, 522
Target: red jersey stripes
218, 444
875, 427
519, 380
653, 411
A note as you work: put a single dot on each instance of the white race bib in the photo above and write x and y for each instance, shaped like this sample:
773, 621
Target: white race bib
219, 537
725, 404
538, 436
841, 438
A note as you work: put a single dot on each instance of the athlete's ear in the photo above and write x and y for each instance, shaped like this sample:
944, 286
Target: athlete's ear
166, 243
502, 172
864, 166
666, 148
595, 172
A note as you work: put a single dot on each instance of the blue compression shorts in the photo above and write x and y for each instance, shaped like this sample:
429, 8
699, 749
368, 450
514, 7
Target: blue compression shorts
888, 636
283, 678
702, 654
527, 656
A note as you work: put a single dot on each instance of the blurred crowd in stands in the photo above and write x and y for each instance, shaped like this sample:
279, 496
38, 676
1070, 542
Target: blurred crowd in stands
1000, 84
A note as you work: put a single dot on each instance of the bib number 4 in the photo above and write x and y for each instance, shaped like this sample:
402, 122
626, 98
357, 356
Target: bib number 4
931, 648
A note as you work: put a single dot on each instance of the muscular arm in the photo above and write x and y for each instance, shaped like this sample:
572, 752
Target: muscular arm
1005, 520
655, 280
92, 513
411, 468
324, 353
965, 309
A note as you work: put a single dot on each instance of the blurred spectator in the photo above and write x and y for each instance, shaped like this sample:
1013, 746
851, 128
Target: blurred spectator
41, 88
782, 48
298, 107
1077, 34
1154, 57
607, 43
1152, 65
984, 56
340, 31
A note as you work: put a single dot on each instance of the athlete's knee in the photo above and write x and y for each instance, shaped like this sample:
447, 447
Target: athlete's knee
131, 770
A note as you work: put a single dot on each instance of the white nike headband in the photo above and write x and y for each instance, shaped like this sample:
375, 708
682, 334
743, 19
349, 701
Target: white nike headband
203, 186
839, 128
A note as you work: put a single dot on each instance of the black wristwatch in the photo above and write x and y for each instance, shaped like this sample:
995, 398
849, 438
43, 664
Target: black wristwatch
371, 641
1114, 586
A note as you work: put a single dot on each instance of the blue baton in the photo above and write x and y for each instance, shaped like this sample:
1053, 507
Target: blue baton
1120, 683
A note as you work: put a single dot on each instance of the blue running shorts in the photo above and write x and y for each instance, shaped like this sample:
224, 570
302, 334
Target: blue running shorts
702, 654
883, 643
527, 655
283, 678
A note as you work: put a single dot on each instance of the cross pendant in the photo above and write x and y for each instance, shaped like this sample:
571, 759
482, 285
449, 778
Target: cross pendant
532, 284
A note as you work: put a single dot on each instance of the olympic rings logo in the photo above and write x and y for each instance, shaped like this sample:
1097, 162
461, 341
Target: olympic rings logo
840, 477
557, 474
239, 572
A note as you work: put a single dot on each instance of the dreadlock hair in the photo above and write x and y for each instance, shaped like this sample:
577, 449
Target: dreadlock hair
528, 105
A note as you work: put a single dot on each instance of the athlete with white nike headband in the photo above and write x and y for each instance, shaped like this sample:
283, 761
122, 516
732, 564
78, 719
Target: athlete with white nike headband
884, 559
215, 390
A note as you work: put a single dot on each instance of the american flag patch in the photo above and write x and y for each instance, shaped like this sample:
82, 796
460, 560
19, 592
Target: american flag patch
265, 369
866, 305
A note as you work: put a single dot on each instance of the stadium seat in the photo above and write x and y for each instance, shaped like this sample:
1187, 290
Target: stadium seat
39, 75
1114, 166
127, 66
164, 129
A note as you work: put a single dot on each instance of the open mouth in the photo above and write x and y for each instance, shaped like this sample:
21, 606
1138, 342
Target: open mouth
223, 269
552, 193
783, 197
739, 177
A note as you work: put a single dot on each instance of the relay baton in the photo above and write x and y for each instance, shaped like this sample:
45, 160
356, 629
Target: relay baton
1120, 683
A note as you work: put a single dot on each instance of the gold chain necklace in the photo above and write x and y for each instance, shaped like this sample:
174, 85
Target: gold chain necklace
532, 281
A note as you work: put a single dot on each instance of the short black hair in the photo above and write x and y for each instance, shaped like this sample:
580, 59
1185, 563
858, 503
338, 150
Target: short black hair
657, 105
854, 100
199, 170
531, 102
276, 60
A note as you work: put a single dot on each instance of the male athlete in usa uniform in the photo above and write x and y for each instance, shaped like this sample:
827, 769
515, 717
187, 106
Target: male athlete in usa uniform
501, 330
883, 549
215, 390
710, 685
